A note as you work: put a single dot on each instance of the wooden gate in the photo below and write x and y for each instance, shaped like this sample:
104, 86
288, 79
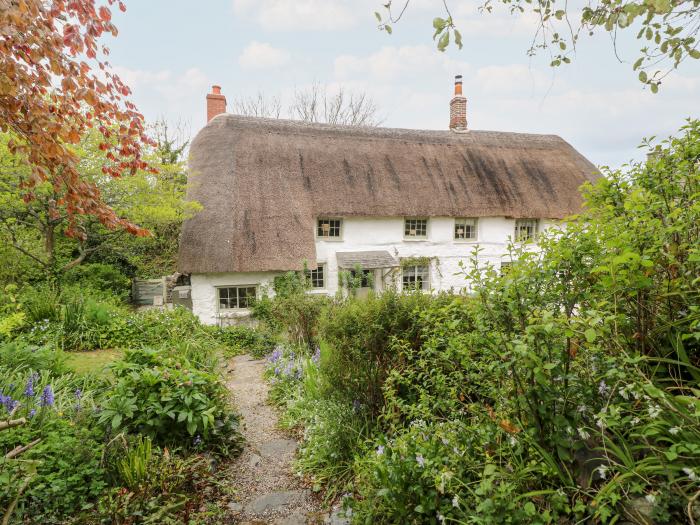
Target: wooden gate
149, 291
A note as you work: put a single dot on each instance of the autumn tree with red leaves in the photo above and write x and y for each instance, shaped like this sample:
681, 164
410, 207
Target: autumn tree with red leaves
55, 85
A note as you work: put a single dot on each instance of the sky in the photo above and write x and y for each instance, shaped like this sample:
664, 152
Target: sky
170, 54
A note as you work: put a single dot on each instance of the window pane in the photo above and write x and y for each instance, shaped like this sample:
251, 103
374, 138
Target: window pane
236, 297
465, 229
525, 229
316, 277
415, 227
328, 227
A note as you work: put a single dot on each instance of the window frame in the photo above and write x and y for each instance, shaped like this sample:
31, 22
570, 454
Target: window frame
408, 236
236, 287
475, 226
310, 278
533, 236
425, 284
329, 237
365, 282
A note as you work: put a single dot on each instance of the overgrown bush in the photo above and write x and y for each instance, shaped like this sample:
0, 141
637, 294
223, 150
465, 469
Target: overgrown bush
102, 278
19, 354
243, 339
170, 400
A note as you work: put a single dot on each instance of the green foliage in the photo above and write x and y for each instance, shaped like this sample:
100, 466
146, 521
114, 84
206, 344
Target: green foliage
292, 309
243, 339
100, 277
162, 394
19, 354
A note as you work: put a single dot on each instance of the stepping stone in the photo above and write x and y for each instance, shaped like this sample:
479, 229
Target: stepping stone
235, 507
254, 460
273, 501
298, 518
278, 447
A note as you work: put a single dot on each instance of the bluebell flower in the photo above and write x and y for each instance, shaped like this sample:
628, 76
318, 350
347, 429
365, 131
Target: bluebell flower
47, 397
316, 358
9, 403
29, 389
380, 450
197, 440
78, 393
32, 413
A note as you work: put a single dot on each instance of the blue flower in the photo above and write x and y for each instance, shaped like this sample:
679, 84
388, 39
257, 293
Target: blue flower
197, 440
78, 393
9, 403
47, 397
316, 358
29, 389
32, 413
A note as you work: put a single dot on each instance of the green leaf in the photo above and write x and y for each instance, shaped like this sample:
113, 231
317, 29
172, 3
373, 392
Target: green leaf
388, 28
444, 41
379, 17
458, 39
590, 334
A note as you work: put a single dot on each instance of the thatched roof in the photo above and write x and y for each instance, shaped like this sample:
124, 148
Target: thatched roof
263, 182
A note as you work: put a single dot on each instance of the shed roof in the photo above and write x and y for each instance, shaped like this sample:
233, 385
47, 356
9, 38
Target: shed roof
263, 182
368, 260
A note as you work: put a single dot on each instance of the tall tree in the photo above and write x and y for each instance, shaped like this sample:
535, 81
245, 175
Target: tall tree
667, 29
315, 104
55, 85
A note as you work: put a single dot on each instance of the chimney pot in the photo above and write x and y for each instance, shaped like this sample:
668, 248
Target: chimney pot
216, 103
458, 108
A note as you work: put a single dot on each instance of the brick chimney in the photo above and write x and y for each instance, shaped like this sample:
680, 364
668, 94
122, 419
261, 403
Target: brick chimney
458, 108
216, 103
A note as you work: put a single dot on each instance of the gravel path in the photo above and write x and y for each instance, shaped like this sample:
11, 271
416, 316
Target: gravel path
263, 475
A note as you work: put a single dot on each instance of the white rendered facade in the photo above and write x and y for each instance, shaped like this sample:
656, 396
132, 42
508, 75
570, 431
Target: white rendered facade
359, 234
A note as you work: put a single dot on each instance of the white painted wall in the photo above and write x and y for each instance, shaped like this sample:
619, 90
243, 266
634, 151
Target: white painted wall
378, 233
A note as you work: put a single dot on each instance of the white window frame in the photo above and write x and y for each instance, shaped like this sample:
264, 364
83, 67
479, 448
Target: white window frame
236, 287
324, 276
525, 223
425, 284
406, 231
318, 227
465, 220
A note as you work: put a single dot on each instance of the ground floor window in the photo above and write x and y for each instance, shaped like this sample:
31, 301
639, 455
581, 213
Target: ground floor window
317, 277
416, 278
232, 297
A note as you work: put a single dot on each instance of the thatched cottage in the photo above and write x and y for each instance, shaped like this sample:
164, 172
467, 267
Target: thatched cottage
403, 206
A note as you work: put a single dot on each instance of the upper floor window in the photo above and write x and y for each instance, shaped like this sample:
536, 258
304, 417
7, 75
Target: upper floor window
317, 277
415, 228
232, 297
465, 229
416, 278
525, 229
329, 228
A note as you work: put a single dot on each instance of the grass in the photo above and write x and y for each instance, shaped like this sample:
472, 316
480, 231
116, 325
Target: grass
95, 361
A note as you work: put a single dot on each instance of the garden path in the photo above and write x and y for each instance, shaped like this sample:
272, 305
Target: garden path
267, 490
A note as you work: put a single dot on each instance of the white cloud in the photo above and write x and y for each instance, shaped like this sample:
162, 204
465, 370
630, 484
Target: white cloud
261, 55
513, 78
300, 15
392, 63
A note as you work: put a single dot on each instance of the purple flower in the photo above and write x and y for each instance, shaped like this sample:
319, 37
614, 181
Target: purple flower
47, 397
197, 440
316, 358
32, 413
78, 393
380, 450
9, 403
277, 370
420, 460
356, 405
29, 389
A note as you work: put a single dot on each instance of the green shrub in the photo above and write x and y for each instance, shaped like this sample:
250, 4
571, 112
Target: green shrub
154, 485
102, 278
171, 401
360, 334
242, 339
19, 354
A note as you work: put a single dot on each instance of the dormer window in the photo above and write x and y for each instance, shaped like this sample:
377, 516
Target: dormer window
415, 228
525, 229
329, 228
465, 229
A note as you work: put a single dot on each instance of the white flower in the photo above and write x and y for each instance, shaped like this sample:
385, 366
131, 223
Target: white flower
440, 518
654, 411
420, 460
512, 441
635, 420
380, 450
583, 433
624, 393
603, 471
603, 388
650, 498
600, 423
674, 430
692, 476
455, 501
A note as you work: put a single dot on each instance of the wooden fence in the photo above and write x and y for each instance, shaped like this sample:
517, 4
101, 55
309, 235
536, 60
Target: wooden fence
149, 291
